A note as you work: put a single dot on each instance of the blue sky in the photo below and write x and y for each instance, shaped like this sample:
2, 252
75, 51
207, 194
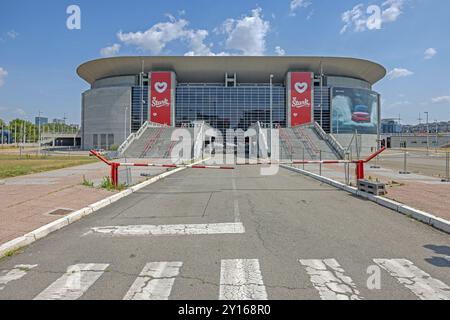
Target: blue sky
39, 54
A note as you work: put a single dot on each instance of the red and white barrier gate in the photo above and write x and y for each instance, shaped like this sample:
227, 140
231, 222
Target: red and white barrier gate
115, 166
359, 163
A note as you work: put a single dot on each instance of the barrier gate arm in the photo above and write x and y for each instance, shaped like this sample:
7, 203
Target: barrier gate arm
115, 166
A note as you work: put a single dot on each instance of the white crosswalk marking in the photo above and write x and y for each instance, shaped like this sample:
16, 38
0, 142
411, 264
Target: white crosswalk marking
17, 273
155, 281
241, 280
171, 230
74, 283
328, 277
416, 280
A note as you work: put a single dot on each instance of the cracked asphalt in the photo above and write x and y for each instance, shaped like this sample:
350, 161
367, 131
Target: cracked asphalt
287, 218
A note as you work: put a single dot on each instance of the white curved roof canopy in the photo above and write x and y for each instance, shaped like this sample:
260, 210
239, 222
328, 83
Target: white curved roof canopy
248, 69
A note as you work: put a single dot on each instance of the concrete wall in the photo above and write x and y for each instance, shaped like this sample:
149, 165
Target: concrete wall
347, 83
104, 113
367, 144
123, 81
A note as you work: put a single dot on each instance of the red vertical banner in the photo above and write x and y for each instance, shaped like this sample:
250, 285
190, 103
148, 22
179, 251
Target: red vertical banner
161, 97
301, 98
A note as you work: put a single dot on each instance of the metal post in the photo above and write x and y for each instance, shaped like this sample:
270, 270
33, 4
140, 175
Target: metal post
447, 167
428, 135
303, 149
142, 94
39, 133
405, 160
271, 113
321, 94
320, 166
360, 170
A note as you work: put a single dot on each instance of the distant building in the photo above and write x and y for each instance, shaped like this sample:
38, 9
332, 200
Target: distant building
433, 127
389, 126
59, 121
40, 121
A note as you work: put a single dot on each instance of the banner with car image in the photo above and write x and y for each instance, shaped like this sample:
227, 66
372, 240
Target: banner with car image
354, 110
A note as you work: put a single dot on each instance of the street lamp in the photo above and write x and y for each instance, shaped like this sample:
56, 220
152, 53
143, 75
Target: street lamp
428, 134
125, 126
271, 113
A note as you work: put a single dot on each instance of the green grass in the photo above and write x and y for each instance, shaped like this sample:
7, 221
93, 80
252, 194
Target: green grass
108, 185
13, 165
87, 183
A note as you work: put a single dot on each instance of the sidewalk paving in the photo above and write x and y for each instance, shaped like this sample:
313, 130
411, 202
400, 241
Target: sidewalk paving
26, 201
425, 193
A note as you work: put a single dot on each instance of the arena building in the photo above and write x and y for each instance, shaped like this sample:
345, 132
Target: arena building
227, 93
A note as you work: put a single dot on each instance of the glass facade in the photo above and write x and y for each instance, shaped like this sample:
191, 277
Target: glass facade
137, 113
229, 107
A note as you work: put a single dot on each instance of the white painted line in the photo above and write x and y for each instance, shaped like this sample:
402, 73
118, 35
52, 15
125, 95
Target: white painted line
416, 280
328, 277
17, 273
237, 214
171, 230
155, 281
74, 283
241, 280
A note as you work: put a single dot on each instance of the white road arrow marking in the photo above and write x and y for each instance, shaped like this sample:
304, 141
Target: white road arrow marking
171, 230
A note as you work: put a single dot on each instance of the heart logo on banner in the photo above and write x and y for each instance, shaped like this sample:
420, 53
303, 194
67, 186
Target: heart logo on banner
295, 115
301, 87
155, 114
160, 87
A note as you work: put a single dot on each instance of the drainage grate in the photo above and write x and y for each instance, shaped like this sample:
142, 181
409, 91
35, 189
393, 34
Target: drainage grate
60, 212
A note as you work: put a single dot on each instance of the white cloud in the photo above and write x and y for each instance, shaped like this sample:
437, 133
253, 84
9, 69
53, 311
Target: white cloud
298, 4
430, 53
12, 34
443, 99
247, 34
110, 51
280, 51
159, 35
20, 112
360, 20
399, 73
3, 75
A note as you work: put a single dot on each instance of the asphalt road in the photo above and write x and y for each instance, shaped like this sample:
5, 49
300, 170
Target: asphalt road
207, 234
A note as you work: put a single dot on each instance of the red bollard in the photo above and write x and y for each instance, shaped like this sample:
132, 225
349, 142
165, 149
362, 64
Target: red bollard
115, 174
360, 170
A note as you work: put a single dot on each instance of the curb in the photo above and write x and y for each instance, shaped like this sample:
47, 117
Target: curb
422, 216
56, 225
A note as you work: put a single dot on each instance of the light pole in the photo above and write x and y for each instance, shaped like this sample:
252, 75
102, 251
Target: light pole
428, 134
39, 133
142, 94
271, 113
125, 125
321, 94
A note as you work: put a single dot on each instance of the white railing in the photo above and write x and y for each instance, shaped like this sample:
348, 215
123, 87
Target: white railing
124, 146
331, 140
199, 138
